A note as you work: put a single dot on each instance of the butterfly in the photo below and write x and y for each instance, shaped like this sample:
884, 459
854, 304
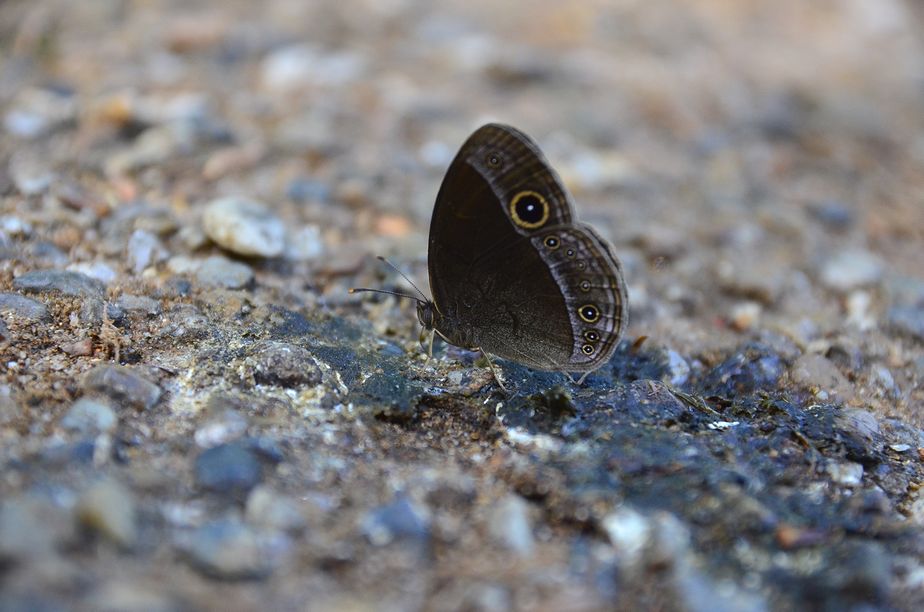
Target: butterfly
512, 272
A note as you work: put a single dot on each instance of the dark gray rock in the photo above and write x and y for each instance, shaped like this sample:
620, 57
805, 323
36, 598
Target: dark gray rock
907, 320
399, 520
123, 385
138, 304
91, 312
232, 468
59, 281
832, 214
186, 323
754, 367
284, 365
22, 307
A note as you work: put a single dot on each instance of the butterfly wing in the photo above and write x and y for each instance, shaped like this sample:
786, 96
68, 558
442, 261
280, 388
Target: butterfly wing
495, 281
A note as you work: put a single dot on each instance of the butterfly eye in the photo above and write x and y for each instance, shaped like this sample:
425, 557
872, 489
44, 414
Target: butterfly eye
494, 160
529, 210
591, 336
589, 313
588, 349
551, 242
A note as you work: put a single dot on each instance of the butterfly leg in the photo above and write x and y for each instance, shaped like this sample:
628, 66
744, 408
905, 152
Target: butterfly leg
579, 381
497, 378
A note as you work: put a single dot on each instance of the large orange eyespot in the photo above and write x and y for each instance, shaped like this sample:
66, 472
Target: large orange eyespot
529, 210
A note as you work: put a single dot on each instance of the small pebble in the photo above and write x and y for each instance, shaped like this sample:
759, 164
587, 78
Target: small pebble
107, 508
900, 448
846, 473
284, 365
628, 531
231, 468
230, 550
301, 65
816, 372
303, 190
860, 424
222, 426
80, 348
97, 269
882, 377
244, 227
907, 320
510, 525
218, 271
268, 508
67, 283
140, 304
833, 214
753, 367
745, 315
153, 146
304, 244
851, 269
14, 226
22, 307
857, 306
123, 385
30, 176
29, 528
90, 416
399, 520
678, 370
143, 250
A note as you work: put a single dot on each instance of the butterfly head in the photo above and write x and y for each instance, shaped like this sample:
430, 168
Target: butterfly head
426, 313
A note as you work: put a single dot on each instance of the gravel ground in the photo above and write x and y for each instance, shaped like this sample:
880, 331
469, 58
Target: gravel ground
195, 414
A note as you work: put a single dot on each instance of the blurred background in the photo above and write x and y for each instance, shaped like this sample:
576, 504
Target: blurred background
206, 419
756, 163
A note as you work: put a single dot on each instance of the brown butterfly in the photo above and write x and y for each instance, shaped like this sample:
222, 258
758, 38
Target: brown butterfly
512, 272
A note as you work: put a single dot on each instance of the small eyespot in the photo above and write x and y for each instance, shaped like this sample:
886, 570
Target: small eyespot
588, 349
589, 313
551, 242
591, 336
581, 264
584, 285
529, 210
494, 160
570, 252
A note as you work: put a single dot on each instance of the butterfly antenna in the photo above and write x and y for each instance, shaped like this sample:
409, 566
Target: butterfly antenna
422, 297
403, 275
386, 292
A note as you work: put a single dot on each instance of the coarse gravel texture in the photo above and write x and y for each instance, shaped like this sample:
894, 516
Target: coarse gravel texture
195, 414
